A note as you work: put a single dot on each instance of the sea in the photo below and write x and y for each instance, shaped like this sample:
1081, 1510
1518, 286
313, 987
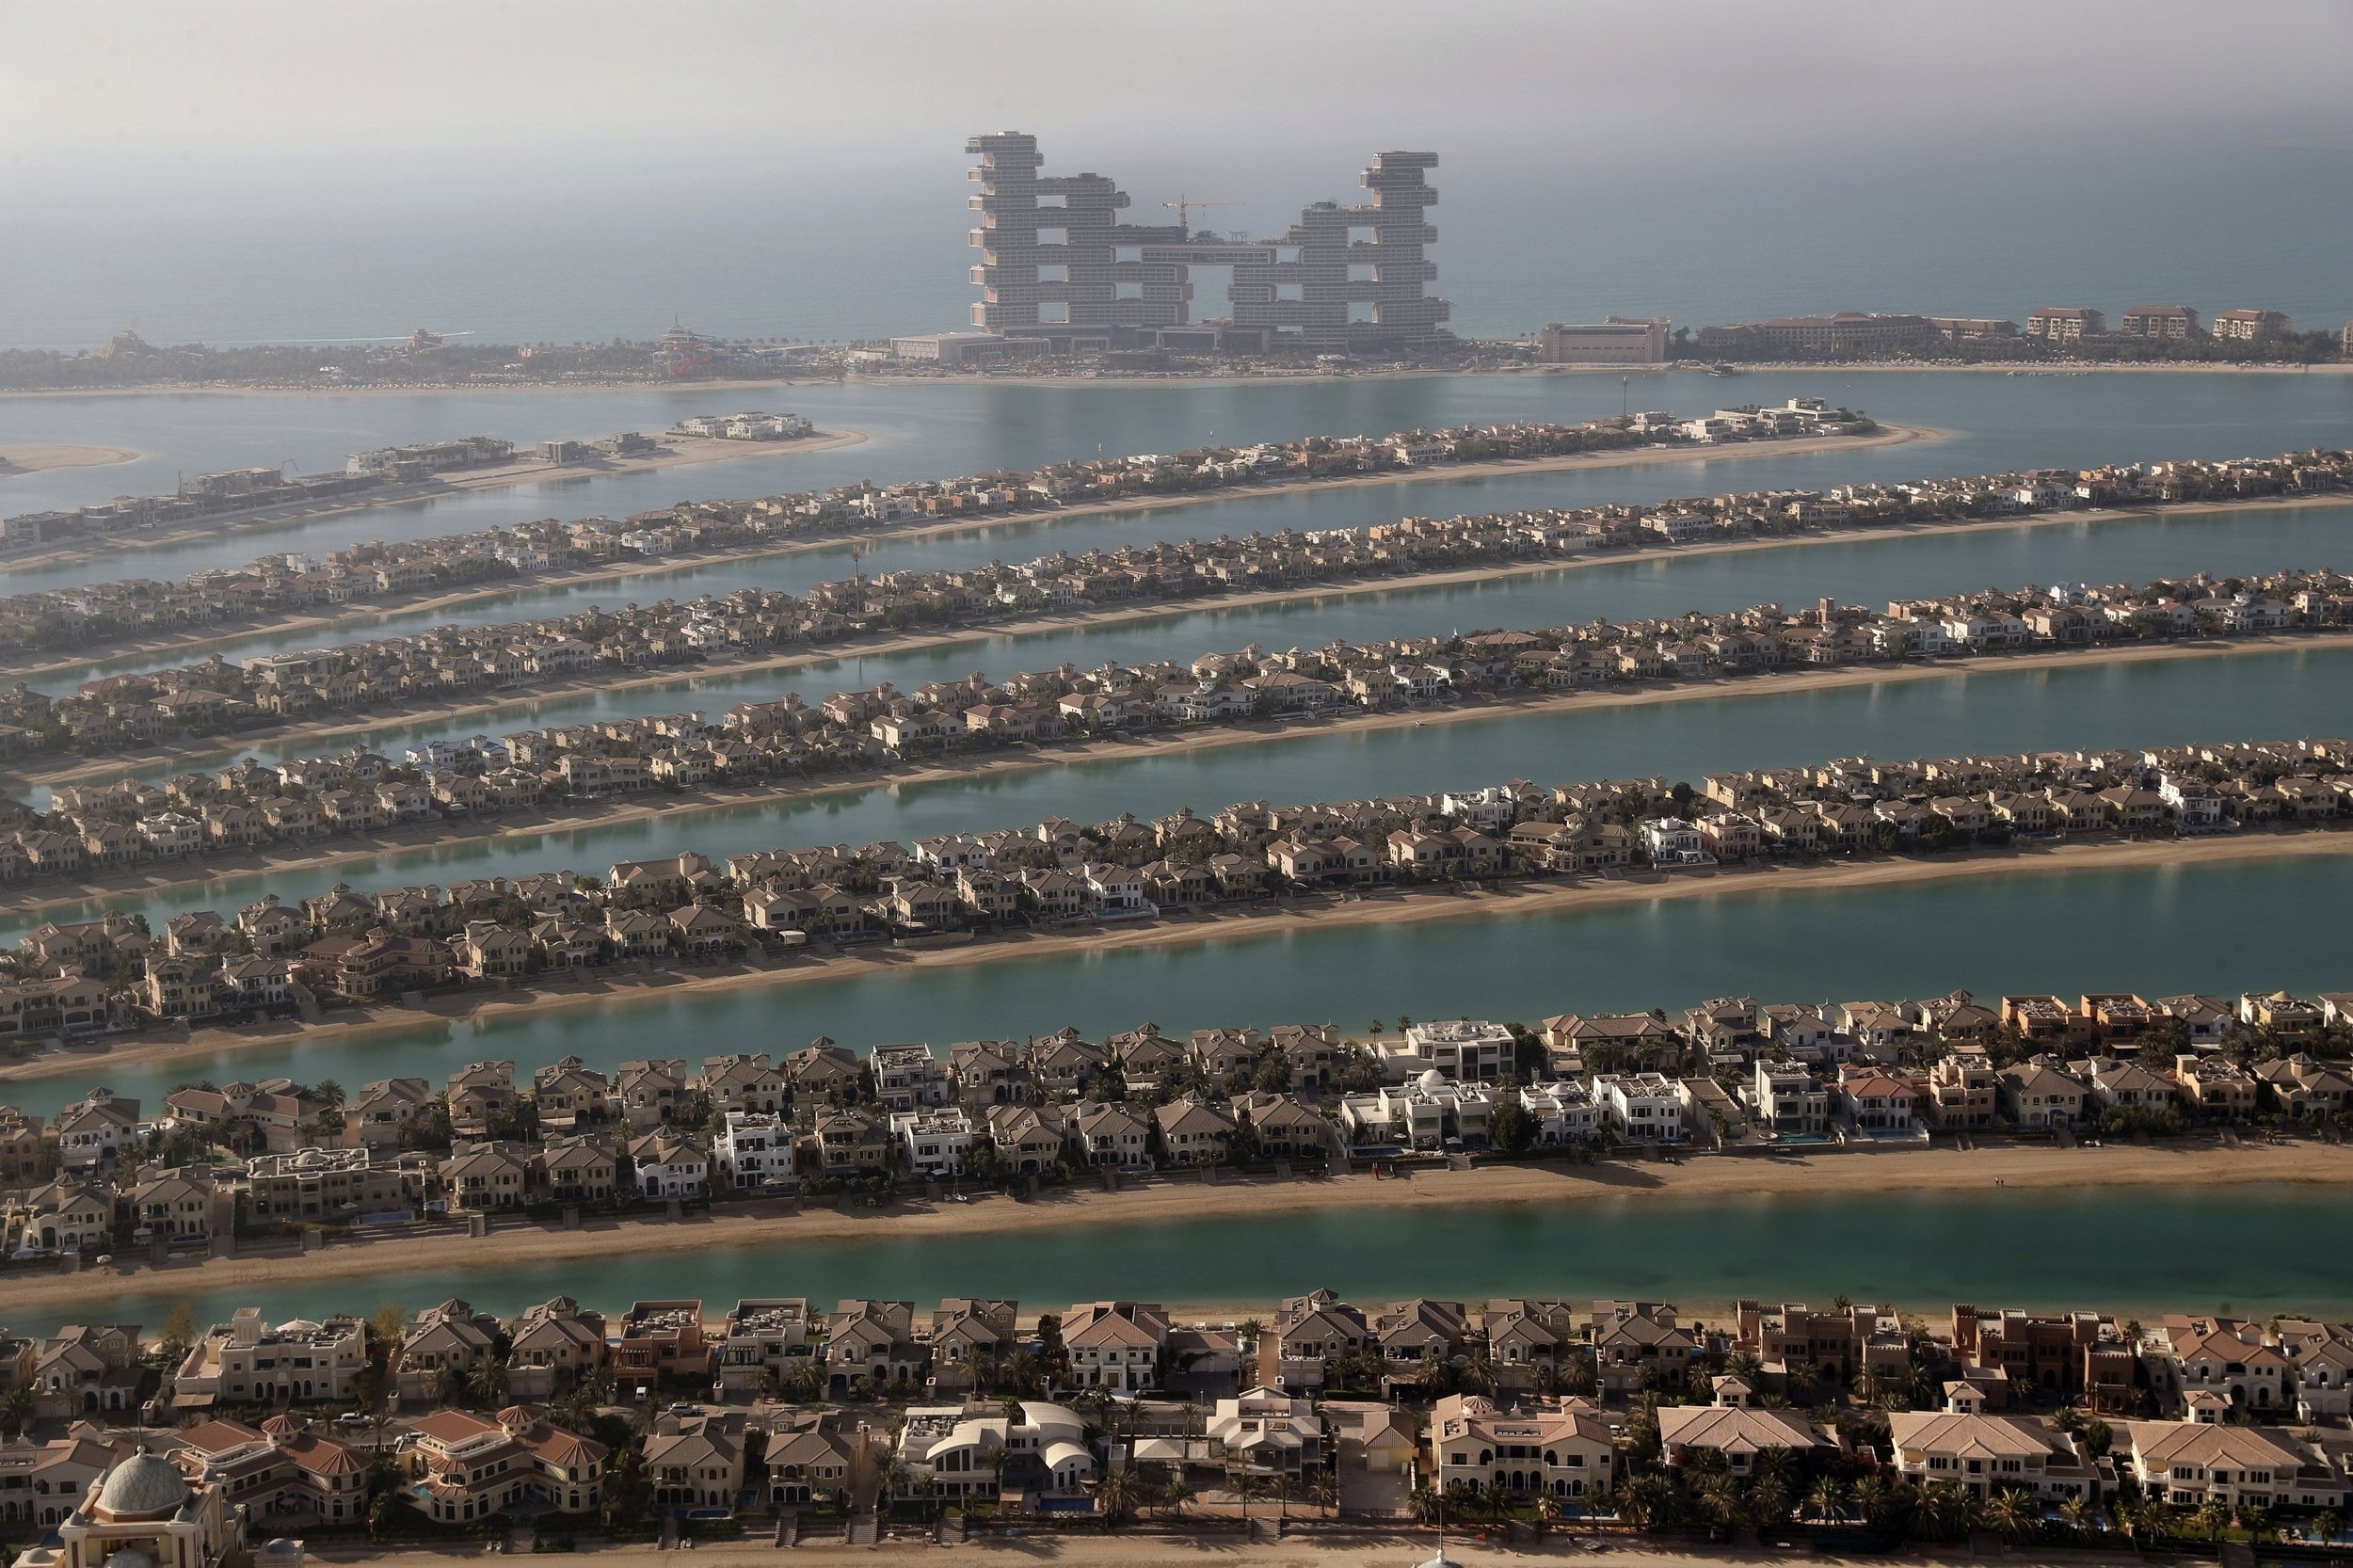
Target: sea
832, 249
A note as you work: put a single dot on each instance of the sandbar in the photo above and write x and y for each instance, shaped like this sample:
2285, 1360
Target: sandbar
35, 460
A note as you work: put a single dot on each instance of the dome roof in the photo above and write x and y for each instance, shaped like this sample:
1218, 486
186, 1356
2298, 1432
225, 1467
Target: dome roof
1432, 1079
141, 1486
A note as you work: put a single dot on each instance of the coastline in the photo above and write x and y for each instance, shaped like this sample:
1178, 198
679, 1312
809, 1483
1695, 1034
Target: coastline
1143, 747
1178, 1198
684, 564
1299, 914
42, 457
682, 452
1683, 367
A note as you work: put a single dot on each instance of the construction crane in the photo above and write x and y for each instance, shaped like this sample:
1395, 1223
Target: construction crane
1184, 206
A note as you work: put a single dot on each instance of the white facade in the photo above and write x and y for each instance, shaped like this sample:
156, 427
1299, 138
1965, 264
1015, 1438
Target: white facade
937, 1141
1640, 1105
752, 1149
1467, 1050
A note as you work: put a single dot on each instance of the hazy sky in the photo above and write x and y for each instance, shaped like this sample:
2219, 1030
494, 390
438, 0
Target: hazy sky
91, 87
554, 169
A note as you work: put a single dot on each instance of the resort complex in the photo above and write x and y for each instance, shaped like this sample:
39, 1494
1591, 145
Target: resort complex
1168, 892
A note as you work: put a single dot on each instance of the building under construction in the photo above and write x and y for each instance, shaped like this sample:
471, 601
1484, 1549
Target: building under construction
1058, 262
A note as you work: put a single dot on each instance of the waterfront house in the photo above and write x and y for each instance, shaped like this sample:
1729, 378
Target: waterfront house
1114, 1346
699, 1467
1735, 1434
2189, 1463
2036, 1094
554, 1345
1985, 1454
1543, 1447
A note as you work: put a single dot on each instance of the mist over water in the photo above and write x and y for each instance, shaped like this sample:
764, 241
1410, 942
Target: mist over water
754, 244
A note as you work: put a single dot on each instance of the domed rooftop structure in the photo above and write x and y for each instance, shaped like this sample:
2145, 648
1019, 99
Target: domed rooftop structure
1433, 1079
145, 1486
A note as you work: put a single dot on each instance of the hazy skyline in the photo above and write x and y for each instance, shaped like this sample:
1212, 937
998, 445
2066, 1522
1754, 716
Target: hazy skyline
253, 169
109, 84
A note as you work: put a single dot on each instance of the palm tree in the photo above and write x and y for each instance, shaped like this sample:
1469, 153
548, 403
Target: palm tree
1945, 1510
1175, 1492
2077, 1512
2324, 1523
1428, 1505
486, 1381
1720, 1499
2213, 1517
891, 1480
16, 1409
2013, 1514
1323, 1489
1116, 1497
1645, 1500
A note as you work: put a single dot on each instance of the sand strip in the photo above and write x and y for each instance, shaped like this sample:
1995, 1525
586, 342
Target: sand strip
679, 452
432, 1260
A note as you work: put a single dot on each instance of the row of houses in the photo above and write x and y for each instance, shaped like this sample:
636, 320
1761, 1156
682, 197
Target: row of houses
216, 695
1734, 1074
1267, 1401
363, 946
282, 584
93, 830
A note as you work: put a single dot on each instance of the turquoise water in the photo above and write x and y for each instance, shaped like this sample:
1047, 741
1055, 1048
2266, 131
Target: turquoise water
2128, 1251
1867, 571
2247, 925
918, 431
2295, 692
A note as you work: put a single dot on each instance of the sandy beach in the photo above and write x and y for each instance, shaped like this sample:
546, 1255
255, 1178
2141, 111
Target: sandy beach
348, 616
34, 459
1175, 1198
1147, 746
676, 452
90, 1059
